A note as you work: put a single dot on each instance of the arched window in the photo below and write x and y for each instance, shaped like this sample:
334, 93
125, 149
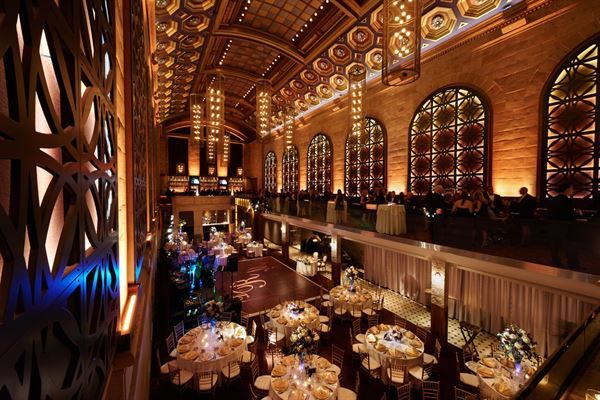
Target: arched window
365, 159
448, 141
571, 136
290, 170
318, 171
271, 172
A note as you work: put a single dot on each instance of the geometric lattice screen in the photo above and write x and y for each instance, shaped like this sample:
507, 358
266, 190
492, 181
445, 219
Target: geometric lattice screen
59, 294
448, 142
271, 172
291, 174
365, 159
571, 133
319, 161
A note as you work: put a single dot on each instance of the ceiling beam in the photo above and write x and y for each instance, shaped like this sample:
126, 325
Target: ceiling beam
234, 72
235, 125
252, 35
352, 10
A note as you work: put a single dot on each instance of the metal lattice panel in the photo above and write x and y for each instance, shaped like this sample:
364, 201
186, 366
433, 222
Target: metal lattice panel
365, 159
59, 294
319, 160
271, 172
571, 144
448, 142
291, 175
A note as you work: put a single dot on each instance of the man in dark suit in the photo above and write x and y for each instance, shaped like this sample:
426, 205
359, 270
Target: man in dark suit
524, 209
494, 201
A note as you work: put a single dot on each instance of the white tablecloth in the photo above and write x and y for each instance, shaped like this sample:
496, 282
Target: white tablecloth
336, 216
205, 338
391, 219
383, 356
486, 385
284, 321
221, 261
360, 299
307, 269
292, 369
258, 249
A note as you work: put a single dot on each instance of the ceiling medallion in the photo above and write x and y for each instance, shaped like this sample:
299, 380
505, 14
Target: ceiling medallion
340, 52
161, 27
162, 3
437, 21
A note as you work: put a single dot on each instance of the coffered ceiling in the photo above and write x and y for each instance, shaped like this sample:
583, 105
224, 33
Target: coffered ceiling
303, 47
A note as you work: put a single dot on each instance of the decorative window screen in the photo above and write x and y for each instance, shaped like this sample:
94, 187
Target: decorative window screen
271, 172
365, 159
319, 164
290, 170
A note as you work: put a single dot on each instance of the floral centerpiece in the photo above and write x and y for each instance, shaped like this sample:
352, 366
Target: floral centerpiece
517, 344
304, 260
294, 308
351, 273
302, 340
213, 309
394, 335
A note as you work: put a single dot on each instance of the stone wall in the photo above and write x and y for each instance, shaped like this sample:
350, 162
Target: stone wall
509, 65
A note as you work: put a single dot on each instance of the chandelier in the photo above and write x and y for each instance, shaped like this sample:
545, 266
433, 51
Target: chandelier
401, 42
215, 118
263, 108
356, 93
196, 115
288, 126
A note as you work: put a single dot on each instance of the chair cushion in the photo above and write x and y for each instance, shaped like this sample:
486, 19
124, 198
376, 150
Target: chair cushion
184, 377
417, 373
231, 373
206, 384
469, 379
360, 337
173, 353
326, 297
428, 359
368, 311
247, 357
263, 382
374, 364
356, 313
323, 328
164, 369
346, 394
326, 304
249, 339
323, 318
339, 311
359, 348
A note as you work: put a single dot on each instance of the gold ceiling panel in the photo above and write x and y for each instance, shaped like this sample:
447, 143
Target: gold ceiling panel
324, 91
361, 38
374, 59
340, 54
199, 5
476, 8
437, 23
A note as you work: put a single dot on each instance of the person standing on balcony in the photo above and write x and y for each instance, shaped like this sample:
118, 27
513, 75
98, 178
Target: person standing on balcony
561, 228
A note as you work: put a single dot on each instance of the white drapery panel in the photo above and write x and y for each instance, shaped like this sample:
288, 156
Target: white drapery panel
491, 302
402, 273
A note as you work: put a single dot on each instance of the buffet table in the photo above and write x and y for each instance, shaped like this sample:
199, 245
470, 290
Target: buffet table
307, 267
290, 314
391, 219
388, 342
208, 348
291, 381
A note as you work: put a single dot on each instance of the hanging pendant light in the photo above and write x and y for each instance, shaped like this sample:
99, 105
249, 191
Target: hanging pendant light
196, 115
289, 126
215, 105
357, 76
401, 42
263, 108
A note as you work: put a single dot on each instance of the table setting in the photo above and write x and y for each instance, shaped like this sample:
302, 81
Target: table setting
351, 296
291, 314
308, 377
386, 342
211, 346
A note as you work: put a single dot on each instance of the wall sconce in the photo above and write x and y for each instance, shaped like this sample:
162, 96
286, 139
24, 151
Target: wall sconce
180, 168
212, 171
438, 283
240, 171
130, 308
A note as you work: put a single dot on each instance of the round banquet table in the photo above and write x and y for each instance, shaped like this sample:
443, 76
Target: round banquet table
186, 255
285, 320
388, 342
307, 269
391, 219
201, 349
257, 248
495, 380
290, 382
359, 299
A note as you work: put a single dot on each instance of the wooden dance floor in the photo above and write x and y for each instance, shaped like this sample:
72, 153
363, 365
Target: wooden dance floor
262, 283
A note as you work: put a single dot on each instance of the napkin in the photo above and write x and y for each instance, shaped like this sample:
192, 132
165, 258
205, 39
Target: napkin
375, 330
275, 314
503, 389
412, 352
395, 352
240, 332
236, 342
190, 355
225, 350
409, 335
384, 327
183, 348
489, 362
207, 356
185, 340
485, 372
380, 347
323, 363
416, 343
289, 360
321, 393
280, 384
330, 378
279, 370
296, 395
282, 320
371, 338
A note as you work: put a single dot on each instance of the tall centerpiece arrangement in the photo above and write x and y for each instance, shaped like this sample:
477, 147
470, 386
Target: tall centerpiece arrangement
351, 274
517, 345
302, 341
213, 310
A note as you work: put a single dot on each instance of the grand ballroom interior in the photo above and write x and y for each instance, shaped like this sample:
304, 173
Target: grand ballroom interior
300, 199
